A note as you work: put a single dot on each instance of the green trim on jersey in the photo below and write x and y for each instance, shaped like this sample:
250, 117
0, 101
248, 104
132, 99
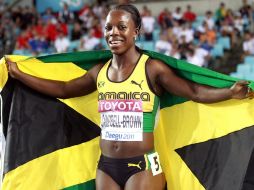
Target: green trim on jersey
149, 118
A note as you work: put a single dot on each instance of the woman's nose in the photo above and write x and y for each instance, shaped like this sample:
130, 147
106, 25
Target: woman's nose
114, 31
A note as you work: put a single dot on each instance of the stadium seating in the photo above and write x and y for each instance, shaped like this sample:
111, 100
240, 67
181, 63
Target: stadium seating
217, 50
245, 70
249, 60
74, 45
199, 20
104, 43
225, 42
237, 75
156, 34
148, 45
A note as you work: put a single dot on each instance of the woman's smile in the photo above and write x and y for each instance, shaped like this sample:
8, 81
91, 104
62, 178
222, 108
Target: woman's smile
114, 43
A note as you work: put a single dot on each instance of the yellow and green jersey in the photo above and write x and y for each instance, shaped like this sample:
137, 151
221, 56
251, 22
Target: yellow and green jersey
128, 108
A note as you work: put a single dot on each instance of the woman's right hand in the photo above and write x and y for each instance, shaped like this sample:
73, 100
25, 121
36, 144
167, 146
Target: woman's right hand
12, 68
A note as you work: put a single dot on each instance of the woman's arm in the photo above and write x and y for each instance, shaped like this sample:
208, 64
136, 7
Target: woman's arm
59, 89
166, 79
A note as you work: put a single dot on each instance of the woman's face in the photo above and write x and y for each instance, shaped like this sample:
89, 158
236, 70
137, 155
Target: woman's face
120, 31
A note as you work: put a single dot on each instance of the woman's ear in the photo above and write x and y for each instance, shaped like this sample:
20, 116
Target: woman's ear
137, 31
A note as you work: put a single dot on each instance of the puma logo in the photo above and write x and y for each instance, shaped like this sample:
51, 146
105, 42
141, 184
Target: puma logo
135, 165
134, 82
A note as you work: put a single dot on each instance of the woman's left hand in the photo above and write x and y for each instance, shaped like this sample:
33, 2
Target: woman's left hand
240, 90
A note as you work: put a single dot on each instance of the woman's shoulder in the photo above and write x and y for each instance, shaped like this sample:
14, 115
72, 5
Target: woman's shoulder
96, 69
98, 66
157, 67
155, 63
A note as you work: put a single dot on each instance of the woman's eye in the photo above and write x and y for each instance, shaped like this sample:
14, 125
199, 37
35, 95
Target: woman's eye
108, 28
122, 27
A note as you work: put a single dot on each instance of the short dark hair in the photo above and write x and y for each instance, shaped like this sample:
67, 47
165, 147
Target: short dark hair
135, 15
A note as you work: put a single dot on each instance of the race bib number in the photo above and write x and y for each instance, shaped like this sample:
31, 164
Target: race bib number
155, 163
121, 120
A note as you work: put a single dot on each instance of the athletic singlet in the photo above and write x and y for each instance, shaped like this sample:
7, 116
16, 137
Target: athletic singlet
128, 108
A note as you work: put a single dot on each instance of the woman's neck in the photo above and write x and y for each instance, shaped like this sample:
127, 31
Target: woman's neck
124, 60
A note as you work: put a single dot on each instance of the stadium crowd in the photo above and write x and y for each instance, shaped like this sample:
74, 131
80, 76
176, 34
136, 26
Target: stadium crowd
179, 33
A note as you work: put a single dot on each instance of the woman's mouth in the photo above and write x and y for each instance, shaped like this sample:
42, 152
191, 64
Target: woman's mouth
115, 43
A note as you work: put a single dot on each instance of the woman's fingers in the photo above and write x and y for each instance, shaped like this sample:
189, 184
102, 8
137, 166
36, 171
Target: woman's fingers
250, 93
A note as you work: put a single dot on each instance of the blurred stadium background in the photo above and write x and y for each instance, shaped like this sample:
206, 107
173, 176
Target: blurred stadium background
215, 34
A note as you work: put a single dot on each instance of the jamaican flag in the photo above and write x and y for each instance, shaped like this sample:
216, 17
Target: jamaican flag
53, 143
